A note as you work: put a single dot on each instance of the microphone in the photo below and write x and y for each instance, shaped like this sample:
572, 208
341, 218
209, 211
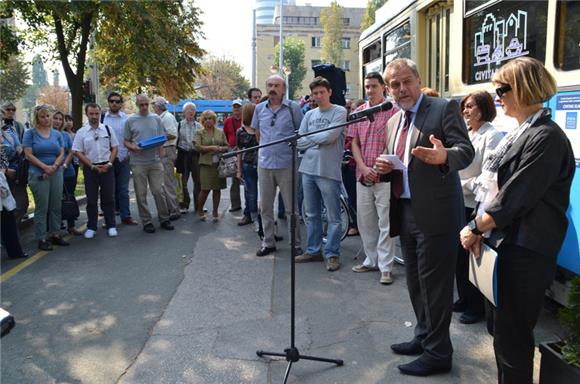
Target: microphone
369, 112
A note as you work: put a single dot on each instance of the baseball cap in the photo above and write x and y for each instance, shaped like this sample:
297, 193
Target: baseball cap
237, 102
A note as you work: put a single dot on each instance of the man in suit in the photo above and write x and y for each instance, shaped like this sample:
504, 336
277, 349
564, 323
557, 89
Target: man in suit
429, 136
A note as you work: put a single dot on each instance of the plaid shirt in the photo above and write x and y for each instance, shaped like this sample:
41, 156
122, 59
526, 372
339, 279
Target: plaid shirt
372, 136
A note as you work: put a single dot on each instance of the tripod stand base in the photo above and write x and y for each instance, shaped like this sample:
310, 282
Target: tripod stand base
292, 355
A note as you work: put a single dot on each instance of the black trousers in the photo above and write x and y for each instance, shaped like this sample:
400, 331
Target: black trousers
349, 181
523, 277
9, 233
470, 296
70, 184
105, 183
430, 266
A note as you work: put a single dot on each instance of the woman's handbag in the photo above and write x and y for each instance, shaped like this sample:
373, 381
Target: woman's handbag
179, 160
70, 207
228, 167
21, 177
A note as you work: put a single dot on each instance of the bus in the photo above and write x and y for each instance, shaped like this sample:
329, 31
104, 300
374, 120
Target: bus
222, 108
458, 45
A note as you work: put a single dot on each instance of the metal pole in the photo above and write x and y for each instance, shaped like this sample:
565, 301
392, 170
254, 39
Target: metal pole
281, 61
254, 53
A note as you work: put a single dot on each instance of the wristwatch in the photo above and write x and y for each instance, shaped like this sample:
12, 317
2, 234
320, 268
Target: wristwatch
473, 228
110, 165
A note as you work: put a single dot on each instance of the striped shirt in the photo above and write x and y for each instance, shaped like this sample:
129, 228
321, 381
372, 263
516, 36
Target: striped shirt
372, 136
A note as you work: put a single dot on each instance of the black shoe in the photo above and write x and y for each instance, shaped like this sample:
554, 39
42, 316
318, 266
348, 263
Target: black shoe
419, 367
298, 251
149, 228
470, 318
235, 209
265, 251
175, 216
410, 348
278, 238
57, 240
459, 306
282, 216
44, 245
167, 225
245, 221
23, 255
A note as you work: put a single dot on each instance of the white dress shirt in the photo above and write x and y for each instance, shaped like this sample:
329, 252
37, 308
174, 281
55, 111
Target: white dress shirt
95, 143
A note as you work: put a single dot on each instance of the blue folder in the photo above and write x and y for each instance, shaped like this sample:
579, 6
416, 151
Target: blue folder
152, 142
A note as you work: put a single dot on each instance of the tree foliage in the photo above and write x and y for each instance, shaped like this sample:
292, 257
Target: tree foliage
294, 59
14, 76
140, 45
222, 79
331, 22
56, 96
369, 15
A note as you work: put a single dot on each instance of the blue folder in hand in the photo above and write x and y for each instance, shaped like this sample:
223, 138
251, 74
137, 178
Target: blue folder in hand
152, 142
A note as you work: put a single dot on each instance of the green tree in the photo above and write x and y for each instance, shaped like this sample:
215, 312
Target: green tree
13, 79
369, 15
294, 59
222, 79
140, 45
331, 22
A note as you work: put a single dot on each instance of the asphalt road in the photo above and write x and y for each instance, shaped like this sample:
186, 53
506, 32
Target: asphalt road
193, 305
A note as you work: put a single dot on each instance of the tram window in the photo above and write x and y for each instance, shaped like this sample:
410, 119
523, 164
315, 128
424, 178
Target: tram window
470, 5
372, 52
397, 43
567, 41
501, 32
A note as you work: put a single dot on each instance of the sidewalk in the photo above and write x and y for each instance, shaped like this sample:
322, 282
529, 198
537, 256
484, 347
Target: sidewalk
232, 303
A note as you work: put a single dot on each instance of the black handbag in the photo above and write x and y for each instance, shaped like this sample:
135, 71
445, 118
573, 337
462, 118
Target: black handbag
70, 207
179, 160
22, 164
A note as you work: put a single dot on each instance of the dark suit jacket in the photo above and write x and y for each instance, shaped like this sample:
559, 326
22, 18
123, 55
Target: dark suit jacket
534, 180
436, 196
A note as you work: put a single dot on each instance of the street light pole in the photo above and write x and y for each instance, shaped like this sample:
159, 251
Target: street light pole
281, 61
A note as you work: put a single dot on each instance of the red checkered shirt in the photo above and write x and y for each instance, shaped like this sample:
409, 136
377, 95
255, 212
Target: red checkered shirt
372, 136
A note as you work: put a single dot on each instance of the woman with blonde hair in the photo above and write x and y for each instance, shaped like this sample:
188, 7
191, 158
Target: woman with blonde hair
210, 141
44, 149
523, 195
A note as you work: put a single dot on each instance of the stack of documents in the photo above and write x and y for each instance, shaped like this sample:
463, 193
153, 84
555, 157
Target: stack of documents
483, 272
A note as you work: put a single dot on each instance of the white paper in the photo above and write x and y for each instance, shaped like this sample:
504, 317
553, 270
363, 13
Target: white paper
394, 159
482, 272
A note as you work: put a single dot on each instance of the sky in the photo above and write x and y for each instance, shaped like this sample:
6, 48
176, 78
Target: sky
229, 32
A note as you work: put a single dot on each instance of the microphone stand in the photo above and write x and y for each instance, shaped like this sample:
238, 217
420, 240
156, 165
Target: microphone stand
291, 353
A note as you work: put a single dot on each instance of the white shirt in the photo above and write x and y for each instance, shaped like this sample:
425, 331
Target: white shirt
406, 194
170, 125
95, 143
117, 125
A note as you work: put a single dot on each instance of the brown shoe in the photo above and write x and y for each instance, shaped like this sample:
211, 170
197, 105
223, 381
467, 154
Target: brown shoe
361, 268
332, 264
129, 221
245, 221
307, 258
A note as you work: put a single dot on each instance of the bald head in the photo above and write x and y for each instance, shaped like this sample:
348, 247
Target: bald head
276, 88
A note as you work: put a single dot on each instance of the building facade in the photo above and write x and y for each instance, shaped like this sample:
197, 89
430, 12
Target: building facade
303, 22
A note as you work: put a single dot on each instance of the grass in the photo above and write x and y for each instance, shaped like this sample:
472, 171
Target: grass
79, 191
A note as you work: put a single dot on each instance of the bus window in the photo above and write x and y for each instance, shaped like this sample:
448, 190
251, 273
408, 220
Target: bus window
567, 40
397, 44
500, 32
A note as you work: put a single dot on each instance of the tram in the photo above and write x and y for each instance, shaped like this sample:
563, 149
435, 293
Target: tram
458, 45
222, 108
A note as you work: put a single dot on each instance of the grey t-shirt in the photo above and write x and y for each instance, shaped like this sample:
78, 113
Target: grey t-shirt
322, 151
139, 128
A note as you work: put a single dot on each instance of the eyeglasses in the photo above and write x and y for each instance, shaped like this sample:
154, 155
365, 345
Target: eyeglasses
115, 101
503, 90
143, 104
274, 115
11, 109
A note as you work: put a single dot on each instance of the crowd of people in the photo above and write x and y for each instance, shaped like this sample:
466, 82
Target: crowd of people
463, 183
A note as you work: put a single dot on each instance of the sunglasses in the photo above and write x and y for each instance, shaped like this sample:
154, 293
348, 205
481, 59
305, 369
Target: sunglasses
503, 90
143, 104
115, 101
274, 115
11, 109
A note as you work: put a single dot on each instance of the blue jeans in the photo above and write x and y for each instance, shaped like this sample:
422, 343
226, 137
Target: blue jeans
318, 191
250, 173
122, 176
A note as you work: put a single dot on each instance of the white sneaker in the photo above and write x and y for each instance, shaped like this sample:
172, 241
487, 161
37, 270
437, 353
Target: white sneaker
112, 232
90, 233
